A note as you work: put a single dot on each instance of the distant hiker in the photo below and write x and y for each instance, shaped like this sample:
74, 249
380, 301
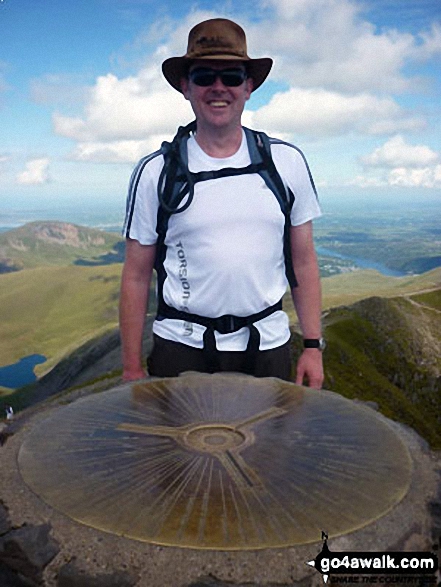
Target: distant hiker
224, 214
9, 413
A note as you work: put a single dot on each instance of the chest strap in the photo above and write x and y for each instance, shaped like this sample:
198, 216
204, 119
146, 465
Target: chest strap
224, 325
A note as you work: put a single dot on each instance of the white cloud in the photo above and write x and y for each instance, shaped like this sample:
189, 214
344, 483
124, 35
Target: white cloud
397, 163
36, 172
328, 44
59, 89
426, 177
430, 45
320, 113
397, 153
126, 118
126, 109
116, 151
367, 182
341, 71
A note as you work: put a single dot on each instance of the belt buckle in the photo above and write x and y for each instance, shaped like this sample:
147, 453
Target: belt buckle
226, 324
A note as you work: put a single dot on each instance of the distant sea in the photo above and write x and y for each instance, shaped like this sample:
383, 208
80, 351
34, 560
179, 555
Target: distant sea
107, 216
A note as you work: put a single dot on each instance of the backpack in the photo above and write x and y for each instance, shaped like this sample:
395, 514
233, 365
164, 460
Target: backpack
175, 194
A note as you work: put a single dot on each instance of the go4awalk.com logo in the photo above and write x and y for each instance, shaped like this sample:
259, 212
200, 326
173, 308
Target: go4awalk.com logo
423, 564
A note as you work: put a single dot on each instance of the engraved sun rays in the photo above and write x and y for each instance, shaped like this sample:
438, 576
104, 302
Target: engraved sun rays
217, 461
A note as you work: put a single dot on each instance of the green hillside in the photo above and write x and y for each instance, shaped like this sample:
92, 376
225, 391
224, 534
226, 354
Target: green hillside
52, 310
348, 288
388, 351
55, 243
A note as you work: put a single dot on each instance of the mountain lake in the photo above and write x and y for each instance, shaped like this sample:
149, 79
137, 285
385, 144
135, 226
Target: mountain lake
20, 373
361, 263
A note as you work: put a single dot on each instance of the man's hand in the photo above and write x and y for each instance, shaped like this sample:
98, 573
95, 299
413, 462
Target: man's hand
310, 367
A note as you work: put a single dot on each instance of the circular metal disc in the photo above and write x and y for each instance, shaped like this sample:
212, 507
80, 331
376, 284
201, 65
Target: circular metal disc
217, 461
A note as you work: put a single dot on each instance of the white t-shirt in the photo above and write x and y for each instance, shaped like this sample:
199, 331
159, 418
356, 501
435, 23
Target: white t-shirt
225, 252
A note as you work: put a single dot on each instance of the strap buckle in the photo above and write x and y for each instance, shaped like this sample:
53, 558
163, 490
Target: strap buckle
228, 323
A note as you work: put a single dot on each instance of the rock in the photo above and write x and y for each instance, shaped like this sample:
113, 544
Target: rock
70, 576
5, 432
10, 579
27, 550
435, 510
5, 524
213, 582
92, 360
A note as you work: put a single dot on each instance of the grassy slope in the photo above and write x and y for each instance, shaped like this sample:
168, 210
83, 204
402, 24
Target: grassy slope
348, 288
383, 353
351, 287
52, 310
388, 351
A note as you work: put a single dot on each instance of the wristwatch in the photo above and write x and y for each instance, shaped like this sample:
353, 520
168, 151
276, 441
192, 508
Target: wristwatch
314, 343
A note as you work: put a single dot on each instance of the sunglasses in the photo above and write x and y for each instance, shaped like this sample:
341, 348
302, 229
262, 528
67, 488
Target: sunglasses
205, 76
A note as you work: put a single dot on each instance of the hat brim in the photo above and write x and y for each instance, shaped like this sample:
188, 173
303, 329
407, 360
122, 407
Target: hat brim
176, 68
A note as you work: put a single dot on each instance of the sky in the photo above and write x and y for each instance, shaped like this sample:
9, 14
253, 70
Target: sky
356, 85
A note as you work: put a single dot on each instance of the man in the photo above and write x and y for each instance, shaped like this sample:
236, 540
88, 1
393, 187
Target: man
222, 263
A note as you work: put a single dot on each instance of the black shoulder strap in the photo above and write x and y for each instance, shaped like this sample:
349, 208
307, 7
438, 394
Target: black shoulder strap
174, 184
259, 146
175, 180
176, 187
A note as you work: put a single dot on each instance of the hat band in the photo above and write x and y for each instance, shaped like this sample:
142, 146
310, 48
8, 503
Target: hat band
216, 52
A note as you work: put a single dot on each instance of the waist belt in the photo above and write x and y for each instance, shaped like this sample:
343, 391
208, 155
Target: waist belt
224, 325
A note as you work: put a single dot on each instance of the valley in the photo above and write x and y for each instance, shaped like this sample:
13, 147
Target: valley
403, 242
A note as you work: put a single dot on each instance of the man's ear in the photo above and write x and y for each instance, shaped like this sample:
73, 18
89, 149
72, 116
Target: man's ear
184, 87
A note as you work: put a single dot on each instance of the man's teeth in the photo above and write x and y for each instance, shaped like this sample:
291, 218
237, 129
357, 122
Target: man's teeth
218, 103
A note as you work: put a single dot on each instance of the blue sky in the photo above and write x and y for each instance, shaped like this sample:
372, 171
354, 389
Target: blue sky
356, 85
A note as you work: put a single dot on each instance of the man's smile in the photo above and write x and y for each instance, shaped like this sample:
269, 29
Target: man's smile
218, 103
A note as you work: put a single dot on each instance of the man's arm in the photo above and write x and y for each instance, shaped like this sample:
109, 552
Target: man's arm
135, 286
307, 301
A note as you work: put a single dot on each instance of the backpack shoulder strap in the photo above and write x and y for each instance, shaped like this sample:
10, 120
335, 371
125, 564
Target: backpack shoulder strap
176, 183
173, 185
259, 146
175, 180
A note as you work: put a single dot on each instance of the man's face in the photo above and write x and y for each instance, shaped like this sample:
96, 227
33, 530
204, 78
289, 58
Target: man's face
217, 105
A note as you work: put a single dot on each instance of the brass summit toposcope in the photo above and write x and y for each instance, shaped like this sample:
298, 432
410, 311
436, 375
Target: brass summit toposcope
222, 461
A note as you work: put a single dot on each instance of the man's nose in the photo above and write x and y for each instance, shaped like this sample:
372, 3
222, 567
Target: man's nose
218, 84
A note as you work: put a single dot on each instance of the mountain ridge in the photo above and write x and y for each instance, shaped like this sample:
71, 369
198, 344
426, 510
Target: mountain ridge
42, 243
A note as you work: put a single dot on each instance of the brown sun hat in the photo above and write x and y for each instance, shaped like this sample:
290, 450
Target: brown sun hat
217, 38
